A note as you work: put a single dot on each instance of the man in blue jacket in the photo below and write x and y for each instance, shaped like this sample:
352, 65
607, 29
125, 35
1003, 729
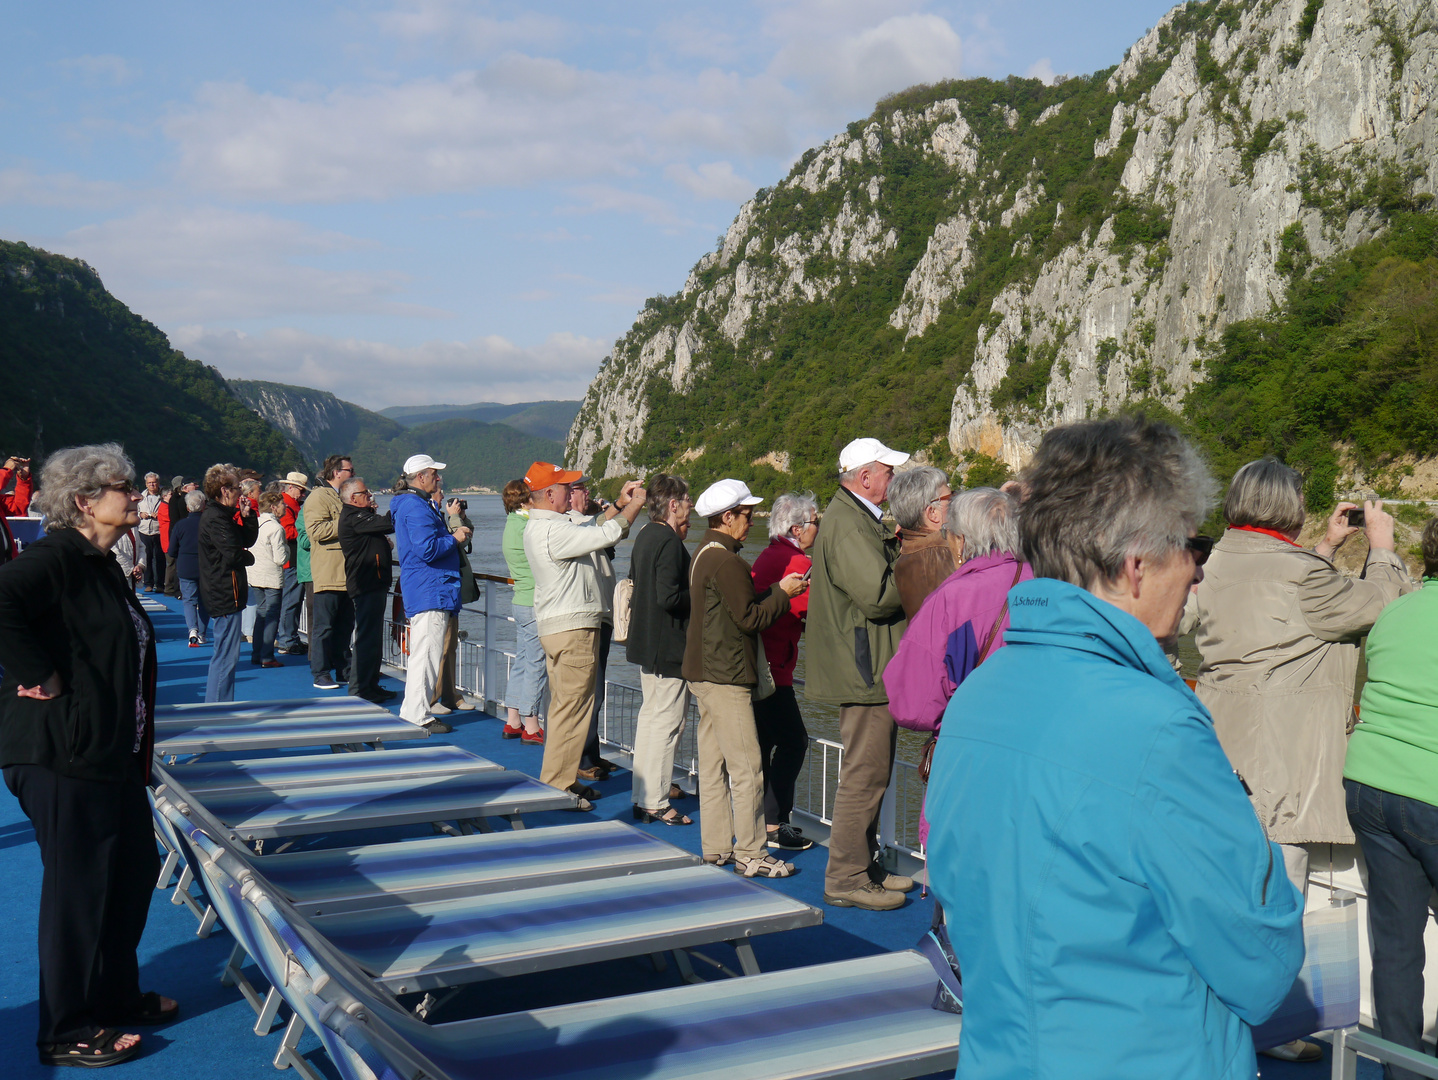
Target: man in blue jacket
429, 578
1116, 908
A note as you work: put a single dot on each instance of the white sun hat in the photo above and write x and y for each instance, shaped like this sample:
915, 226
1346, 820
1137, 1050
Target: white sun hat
417, 463
862, 451
724, 495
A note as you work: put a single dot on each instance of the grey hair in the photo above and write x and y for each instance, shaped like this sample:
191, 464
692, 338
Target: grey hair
912, 491
987, 519
195, 501
661, 488
1100, 491
80, 471
247, 486
790, 509
348, 487
151, 476
1266, 493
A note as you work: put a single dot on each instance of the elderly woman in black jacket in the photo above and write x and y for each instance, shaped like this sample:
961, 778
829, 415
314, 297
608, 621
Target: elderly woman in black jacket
77, 709
228, 529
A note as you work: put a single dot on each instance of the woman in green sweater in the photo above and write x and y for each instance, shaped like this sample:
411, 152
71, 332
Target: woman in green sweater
527, 676
1390, 777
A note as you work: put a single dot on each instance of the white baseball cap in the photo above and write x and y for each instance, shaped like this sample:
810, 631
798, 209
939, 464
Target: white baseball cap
417, 463
724, 495
862, 451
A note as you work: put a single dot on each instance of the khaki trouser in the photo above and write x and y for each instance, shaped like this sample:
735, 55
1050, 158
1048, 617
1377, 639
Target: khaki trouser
426, 639
572, 661
656, 737
731, 773
869, 738
1295, 864
445, 691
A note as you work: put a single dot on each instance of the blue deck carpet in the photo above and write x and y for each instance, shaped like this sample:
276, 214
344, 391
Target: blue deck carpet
213, 1040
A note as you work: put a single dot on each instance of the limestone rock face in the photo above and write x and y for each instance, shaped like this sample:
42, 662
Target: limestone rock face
1232, 141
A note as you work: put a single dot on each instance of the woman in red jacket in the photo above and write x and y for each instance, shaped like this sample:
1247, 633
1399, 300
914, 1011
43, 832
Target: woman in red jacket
783, 739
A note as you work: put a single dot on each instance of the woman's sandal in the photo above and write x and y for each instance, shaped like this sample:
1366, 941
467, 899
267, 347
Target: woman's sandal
95, 1053
764, 866
584, 791
670, 816
677, 792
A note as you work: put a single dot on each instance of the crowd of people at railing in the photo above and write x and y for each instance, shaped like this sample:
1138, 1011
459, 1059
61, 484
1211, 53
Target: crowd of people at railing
1124, 857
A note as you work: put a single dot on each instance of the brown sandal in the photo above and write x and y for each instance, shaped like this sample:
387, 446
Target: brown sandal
670, 816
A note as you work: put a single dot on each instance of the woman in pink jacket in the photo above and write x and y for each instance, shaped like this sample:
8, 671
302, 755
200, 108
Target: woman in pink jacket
963, 621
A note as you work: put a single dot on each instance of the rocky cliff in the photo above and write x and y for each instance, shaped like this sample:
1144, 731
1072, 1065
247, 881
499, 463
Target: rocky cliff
978, 261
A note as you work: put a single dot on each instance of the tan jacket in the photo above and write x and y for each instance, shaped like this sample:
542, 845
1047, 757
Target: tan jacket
1279, 631
322, 522
925, 562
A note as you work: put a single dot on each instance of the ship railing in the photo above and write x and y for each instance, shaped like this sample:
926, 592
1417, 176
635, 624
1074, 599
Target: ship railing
483, 668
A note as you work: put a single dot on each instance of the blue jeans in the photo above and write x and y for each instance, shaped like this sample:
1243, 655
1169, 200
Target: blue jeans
267, 621
247, 625
220, 686
197, 619
1399, 838
528, 678
289, 632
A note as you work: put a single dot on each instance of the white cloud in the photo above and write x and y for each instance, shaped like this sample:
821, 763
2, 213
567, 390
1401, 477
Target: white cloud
106, 68
714, 180
606, 199
205, 264
459, 27
24, 187
858, 68
376, 374
1042, 69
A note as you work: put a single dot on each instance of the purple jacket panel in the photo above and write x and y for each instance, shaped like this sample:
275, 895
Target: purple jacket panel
941, 645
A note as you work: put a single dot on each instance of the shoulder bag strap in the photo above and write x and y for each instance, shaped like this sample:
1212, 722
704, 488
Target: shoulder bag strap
994, 630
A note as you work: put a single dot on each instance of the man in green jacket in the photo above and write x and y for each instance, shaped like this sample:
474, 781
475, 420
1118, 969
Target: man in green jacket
854, 625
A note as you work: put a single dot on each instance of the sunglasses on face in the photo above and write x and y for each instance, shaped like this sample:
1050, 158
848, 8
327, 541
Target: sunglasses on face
124, 487
1202, 548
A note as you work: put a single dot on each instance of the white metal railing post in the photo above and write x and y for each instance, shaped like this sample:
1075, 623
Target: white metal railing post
487, 681
887, 809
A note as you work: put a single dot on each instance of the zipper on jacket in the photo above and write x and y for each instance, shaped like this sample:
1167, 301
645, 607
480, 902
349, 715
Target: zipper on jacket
1263, 897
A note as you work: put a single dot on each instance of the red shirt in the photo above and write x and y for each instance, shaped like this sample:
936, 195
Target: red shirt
18, 501
781, 641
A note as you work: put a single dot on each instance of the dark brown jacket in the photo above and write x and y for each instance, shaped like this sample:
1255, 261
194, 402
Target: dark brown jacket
925, 562
725, 614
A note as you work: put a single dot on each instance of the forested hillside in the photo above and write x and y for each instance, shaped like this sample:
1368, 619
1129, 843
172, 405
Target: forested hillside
547, 419
478, 454
978, 260
80, 367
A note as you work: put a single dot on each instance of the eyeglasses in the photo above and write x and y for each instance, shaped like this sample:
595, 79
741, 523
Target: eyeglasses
124, 487
942, 498
1202, 548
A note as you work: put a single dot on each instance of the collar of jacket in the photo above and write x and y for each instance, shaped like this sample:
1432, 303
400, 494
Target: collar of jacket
846, 502
405, 495
872, 512
914, 539
716, 537
1242, 541
1046, 611
538, 513
983, 562
74, 538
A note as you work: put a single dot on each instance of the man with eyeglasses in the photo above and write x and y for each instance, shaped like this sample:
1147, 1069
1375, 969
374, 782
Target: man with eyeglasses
854, 625
333, 616
919, 500
369, 572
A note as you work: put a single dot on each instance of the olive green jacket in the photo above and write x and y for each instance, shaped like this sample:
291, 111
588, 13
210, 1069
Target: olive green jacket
855, 615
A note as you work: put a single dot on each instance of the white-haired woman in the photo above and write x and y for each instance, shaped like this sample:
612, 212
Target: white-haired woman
783, 738
77, 709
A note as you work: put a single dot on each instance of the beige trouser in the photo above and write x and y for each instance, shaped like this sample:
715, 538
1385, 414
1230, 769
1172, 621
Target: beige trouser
445, 692
731, 775
426, 640
572, 660
656, 737
869, 738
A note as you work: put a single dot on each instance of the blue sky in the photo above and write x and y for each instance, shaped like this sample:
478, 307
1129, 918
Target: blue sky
421, 201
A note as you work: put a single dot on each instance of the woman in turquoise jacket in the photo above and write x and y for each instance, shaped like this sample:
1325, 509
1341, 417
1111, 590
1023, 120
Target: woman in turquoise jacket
1115, 908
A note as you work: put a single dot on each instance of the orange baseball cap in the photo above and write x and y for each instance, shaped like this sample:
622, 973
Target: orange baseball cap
542, 475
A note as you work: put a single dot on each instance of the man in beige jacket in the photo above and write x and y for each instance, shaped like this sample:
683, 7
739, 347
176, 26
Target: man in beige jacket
333, 618
569, 610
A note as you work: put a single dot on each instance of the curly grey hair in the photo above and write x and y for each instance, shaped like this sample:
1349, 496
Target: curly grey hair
1100, 491
912, 491
987, 519
79, 472
790, 509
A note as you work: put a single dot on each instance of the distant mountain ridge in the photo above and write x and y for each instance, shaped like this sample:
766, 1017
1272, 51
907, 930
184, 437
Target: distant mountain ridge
478, 454
547, 419
80, 367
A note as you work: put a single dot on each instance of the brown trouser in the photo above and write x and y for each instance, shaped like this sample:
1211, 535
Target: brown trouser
869, 737
572, 660
445, 691
731, 773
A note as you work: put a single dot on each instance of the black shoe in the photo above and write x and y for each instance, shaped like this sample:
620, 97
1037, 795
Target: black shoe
437, 727
385, 695
324, 682
786, 838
